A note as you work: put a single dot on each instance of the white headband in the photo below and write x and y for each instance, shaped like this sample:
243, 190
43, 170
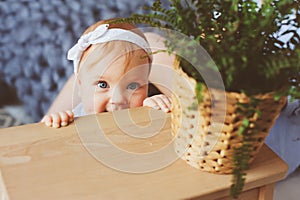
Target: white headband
101, 35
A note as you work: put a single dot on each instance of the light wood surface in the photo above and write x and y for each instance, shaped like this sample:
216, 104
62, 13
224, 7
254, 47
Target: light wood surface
38, 162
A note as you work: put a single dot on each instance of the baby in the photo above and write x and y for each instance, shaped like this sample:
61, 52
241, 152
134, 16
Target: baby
112, 62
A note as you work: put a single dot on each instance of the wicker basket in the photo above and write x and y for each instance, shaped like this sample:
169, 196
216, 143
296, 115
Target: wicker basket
208, 145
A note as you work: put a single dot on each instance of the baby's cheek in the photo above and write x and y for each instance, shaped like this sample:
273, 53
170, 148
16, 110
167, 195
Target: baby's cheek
137, 100
99, 105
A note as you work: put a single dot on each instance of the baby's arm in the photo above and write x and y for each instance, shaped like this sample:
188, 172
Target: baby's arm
58, 119
159, 102
66, 98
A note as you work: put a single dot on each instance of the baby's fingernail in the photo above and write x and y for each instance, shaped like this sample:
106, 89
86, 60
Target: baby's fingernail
56, 125
64, 124
48, 124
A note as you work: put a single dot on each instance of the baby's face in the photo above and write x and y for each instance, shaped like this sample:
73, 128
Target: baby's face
120, 84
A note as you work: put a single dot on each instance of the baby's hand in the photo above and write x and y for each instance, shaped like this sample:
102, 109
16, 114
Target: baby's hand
159, 102
58, 119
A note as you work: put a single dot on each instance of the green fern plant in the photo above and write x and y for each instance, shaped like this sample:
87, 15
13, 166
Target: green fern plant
244, 40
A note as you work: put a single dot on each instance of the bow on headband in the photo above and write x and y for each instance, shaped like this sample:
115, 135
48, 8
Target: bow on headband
83, 43
100, 35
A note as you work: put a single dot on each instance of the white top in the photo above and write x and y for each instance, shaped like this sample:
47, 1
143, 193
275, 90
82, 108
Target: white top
78, 110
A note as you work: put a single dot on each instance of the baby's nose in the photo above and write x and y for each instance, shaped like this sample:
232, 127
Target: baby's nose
118, 101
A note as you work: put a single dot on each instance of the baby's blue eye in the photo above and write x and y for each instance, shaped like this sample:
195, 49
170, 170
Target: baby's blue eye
133, 86
102, 84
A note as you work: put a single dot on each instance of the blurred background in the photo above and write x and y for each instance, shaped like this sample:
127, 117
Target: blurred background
35, 36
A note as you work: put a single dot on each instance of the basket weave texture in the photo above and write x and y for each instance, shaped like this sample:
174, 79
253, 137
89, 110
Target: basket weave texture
206, 134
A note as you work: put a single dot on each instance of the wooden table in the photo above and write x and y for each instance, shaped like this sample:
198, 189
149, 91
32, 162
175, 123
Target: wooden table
38, 162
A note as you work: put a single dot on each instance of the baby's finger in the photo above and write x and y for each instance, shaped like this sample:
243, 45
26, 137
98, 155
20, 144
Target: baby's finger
163, 102
168, 101
150, 102
47, 120
70, 115
56, 120
64, 118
